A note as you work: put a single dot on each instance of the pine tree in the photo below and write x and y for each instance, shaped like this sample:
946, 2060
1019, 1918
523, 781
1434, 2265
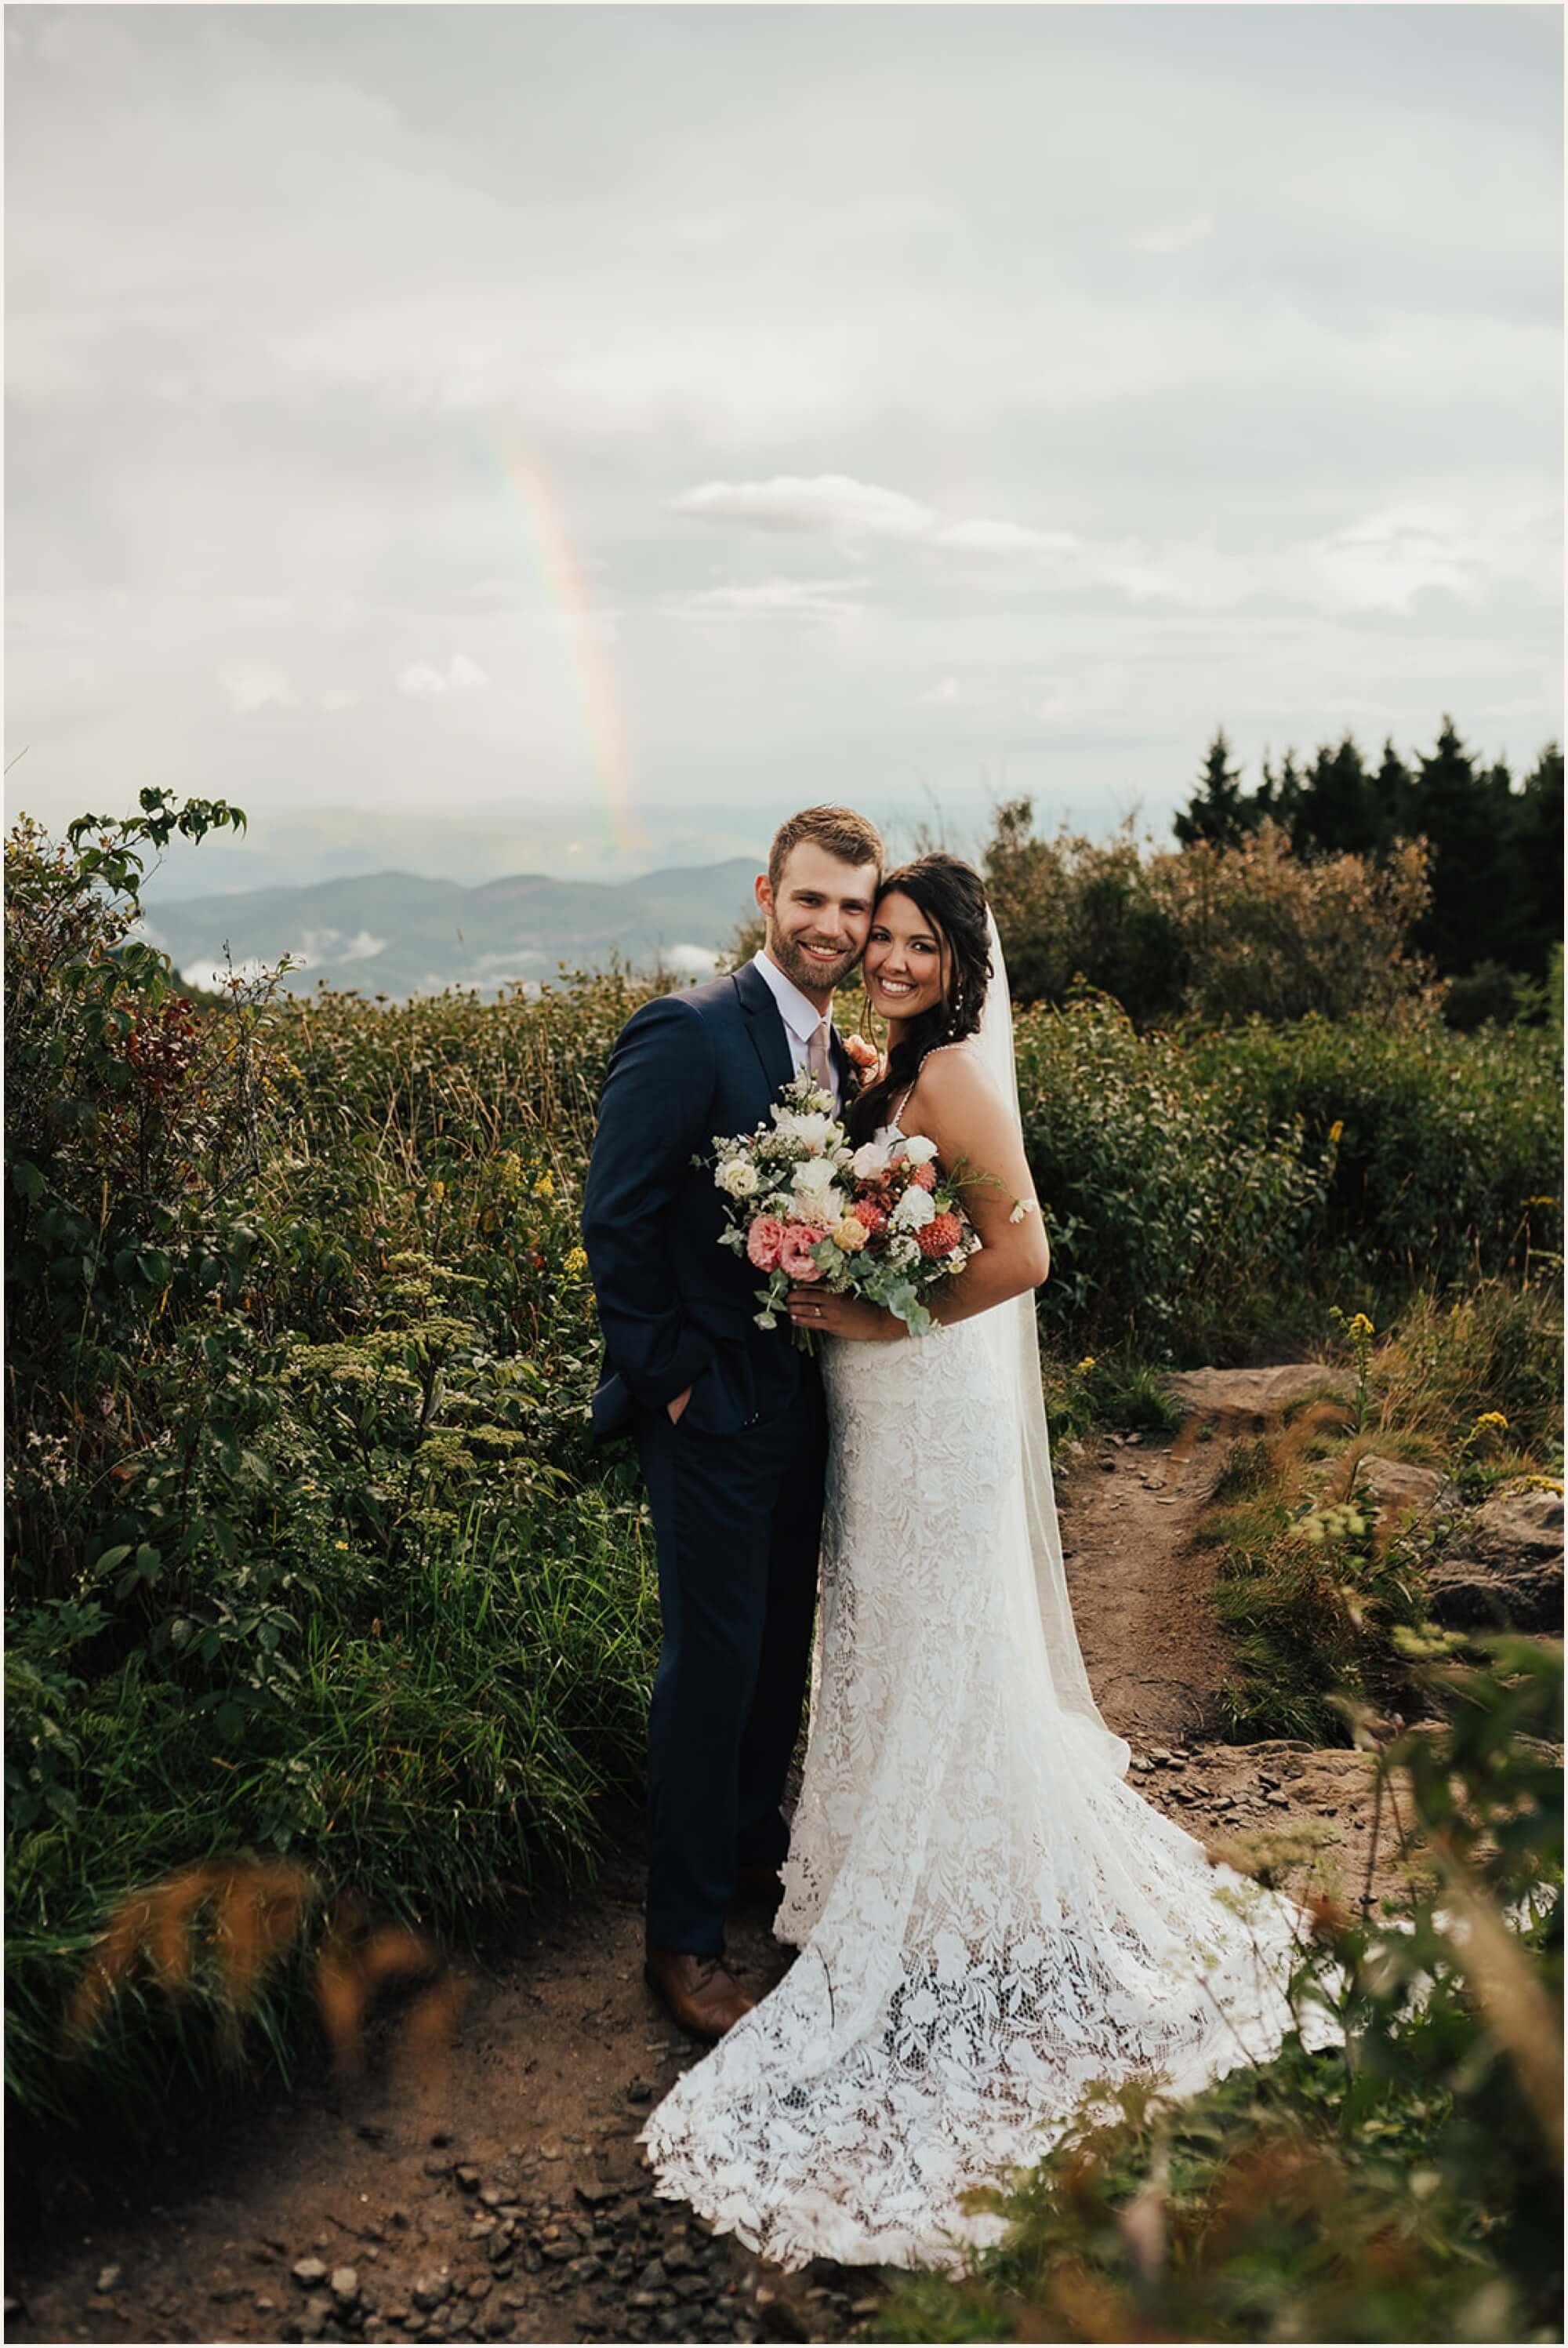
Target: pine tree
1395, 788
1477, 879
1218, 810
1279, 796
1538, 836
1339, 810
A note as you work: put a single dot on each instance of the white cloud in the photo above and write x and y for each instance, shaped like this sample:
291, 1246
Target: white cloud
1178, 235
943, 694
363, 947
1376, 563
460, 675
1197, 575
829, 502
835, 505
328, 946
690, 962
214, 976
814, 599
252, 685
1381, 562
980, 537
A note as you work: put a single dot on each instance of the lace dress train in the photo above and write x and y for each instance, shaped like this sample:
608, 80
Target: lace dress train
988, 1919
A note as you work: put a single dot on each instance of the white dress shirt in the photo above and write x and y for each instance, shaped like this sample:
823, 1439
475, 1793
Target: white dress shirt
802, 1019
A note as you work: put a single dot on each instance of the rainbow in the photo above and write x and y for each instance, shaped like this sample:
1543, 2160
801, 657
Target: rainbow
585, 644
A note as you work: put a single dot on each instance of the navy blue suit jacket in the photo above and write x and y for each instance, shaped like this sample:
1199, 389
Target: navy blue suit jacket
676, 1309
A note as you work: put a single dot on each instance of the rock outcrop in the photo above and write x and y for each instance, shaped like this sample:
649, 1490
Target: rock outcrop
1504, 1570
1243, 1397
1401, 1488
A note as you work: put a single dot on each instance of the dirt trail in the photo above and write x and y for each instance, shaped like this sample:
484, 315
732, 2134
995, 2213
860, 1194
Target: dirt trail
501, 2195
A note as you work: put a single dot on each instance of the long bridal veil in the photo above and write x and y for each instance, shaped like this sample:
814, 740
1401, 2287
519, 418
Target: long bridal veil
1012, 1328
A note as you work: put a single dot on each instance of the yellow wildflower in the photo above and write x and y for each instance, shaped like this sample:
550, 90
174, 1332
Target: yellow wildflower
1359, 1326
545, 1188
576, 1259
1087, 1363
1491, 1418
1336, 1128
438, 1191
339, 1544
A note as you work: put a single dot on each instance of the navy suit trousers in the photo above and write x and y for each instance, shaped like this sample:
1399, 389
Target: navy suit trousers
737, 1520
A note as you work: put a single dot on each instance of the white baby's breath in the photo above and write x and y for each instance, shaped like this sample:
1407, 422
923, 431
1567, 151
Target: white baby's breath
810, 1128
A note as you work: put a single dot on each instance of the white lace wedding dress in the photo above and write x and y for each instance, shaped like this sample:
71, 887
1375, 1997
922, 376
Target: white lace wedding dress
987, 1918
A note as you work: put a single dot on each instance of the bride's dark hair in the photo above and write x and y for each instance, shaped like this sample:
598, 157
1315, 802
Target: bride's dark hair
951, 896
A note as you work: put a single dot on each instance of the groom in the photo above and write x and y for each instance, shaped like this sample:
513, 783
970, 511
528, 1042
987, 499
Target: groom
729, 1419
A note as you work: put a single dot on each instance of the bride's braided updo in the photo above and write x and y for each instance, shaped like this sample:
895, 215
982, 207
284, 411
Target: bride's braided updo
952, 898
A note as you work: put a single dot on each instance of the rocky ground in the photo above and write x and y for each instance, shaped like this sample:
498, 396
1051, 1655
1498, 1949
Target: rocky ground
486, 2183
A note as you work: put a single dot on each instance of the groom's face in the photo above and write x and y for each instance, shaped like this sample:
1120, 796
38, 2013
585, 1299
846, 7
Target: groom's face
818, 916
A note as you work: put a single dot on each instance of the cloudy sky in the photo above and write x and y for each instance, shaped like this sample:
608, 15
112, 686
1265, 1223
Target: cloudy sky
592, 412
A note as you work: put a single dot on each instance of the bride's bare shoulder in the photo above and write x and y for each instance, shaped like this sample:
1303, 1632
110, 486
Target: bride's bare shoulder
968, 1116
955, 1081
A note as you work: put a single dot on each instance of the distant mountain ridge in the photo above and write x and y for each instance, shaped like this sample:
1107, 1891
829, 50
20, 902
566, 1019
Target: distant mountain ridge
397, 934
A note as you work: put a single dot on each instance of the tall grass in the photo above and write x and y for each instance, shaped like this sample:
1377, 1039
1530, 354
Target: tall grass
1312, 1578
311, 1554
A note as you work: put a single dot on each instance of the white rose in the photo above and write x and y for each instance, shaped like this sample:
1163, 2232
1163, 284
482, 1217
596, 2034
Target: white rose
913, 1211
869, 1160
739, 1177
814, 1176
919, 1150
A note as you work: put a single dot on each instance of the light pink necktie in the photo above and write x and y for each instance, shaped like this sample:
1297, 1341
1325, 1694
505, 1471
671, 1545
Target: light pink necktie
818, 1059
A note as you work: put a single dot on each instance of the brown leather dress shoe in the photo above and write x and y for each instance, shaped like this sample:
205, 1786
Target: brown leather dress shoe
702, 1993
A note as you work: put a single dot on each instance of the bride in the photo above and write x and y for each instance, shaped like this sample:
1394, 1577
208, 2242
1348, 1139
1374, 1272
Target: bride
988, 1918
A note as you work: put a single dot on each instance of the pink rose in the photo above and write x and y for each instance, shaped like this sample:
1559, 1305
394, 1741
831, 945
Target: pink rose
794, 1254
763, 1242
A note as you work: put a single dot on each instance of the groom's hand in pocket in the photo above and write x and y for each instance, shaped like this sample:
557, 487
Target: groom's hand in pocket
677, 1404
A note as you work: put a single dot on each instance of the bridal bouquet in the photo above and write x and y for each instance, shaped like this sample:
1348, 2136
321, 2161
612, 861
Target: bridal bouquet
880, 1222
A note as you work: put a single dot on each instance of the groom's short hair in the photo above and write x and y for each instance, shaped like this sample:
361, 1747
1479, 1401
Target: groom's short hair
839, 830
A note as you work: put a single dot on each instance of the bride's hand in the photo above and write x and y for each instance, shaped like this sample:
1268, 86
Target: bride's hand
842, 1316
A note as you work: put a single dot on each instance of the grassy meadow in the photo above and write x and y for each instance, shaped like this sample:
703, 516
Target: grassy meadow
312, 1560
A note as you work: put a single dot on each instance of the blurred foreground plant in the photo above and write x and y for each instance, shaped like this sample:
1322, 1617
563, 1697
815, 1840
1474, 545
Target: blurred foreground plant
1409, 2189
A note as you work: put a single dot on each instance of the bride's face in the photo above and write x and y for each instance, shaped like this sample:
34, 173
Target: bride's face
905, 959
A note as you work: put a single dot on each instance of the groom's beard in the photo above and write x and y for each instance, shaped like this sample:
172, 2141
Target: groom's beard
807, 973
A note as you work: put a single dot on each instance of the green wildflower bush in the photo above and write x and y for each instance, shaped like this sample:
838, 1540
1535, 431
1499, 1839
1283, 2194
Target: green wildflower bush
1442, 1152
1172, 1217
309, 1554
311, 1557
